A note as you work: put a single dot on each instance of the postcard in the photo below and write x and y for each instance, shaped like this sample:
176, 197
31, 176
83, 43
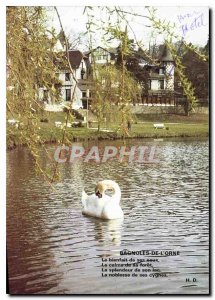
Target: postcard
108, 150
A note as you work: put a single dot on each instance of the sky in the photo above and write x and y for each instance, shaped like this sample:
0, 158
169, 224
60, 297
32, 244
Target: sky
191, 23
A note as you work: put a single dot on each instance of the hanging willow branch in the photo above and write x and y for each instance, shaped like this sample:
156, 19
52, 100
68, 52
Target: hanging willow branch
166, 28
30, 66
121, 14
73, 93
179, 68
114, 86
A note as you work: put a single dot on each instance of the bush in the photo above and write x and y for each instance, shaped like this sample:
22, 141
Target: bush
44, 120
67, 109
79, 124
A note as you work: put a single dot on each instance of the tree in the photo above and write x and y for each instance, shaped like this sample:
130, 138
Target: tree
74, 39
107, 101
30, 57
135, 67
197, 73
31, 64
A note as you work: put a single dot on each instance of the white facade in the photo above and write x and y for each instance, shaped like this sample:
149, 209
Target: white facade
164, 80
170, 70
78, 72
157, 85
66, 91
100, 56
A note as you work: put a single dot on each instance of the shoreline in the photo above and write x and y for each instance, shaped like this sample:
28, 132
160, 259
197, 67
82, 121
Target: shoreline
175, 126
102, 136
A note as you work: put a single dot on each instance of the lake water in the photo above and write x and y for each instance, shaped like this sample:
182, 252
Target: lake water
54, 249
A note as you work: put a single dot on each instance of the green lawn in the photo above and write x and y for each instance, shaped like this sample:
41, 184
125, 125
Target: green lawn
171, 130
172, 118
143, 130
175, 126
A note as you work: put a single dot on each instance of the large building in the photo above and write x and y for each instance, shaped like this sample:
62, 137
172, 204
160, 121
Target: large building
73, 84
159, 77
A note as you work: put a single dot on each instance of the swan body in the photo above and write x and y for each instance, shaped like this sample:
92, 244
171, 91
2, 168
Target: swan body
103, 206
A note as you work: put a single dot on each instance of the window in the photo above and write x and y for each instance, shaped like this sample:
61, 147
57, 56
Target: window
161, 82
68, 94
161, 71
82, 73
104, 57
86, 94
67, 76
45, 96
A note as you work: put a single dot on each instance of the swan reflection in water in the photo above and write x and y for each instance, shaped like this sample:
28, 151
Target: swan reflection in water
107, 232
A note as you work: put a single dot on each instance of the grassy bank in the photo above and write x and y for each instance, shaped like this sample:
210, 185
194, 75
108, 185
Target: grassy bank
138, 131
173, 118
175, 126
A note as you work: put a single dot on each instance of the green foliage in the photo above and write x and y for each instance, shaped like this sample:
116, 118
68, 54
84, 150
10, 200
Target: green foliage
30, 65
185, 83
114, 87
197, 72
30, 58
109, 100
165, 28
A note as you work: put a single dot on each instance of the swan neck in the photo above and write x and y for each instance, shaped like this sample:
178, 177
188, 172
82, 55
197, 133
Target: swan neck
117, 190
115, 186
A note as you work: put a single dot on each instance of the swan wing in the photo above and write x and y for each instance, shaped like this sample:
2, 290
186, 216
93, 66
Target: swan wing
112, 211
84, 198
92, 205
89, 202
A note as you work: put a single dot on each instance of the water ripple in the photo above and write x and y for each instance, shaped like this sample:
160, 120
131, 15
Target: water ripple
53, 248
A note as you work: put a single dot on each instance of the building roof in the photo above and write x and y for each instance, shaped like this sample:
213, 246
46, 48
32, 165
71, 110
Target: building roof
166, 55
110, 50
75, 58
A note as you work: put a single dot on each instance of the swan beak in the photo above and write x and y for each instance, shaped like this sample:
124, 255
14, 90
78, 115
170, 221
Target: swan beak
98, 194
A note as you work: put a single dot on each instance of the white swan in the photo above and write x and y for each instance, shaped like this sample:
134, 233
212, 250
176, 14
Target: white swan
101, 205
